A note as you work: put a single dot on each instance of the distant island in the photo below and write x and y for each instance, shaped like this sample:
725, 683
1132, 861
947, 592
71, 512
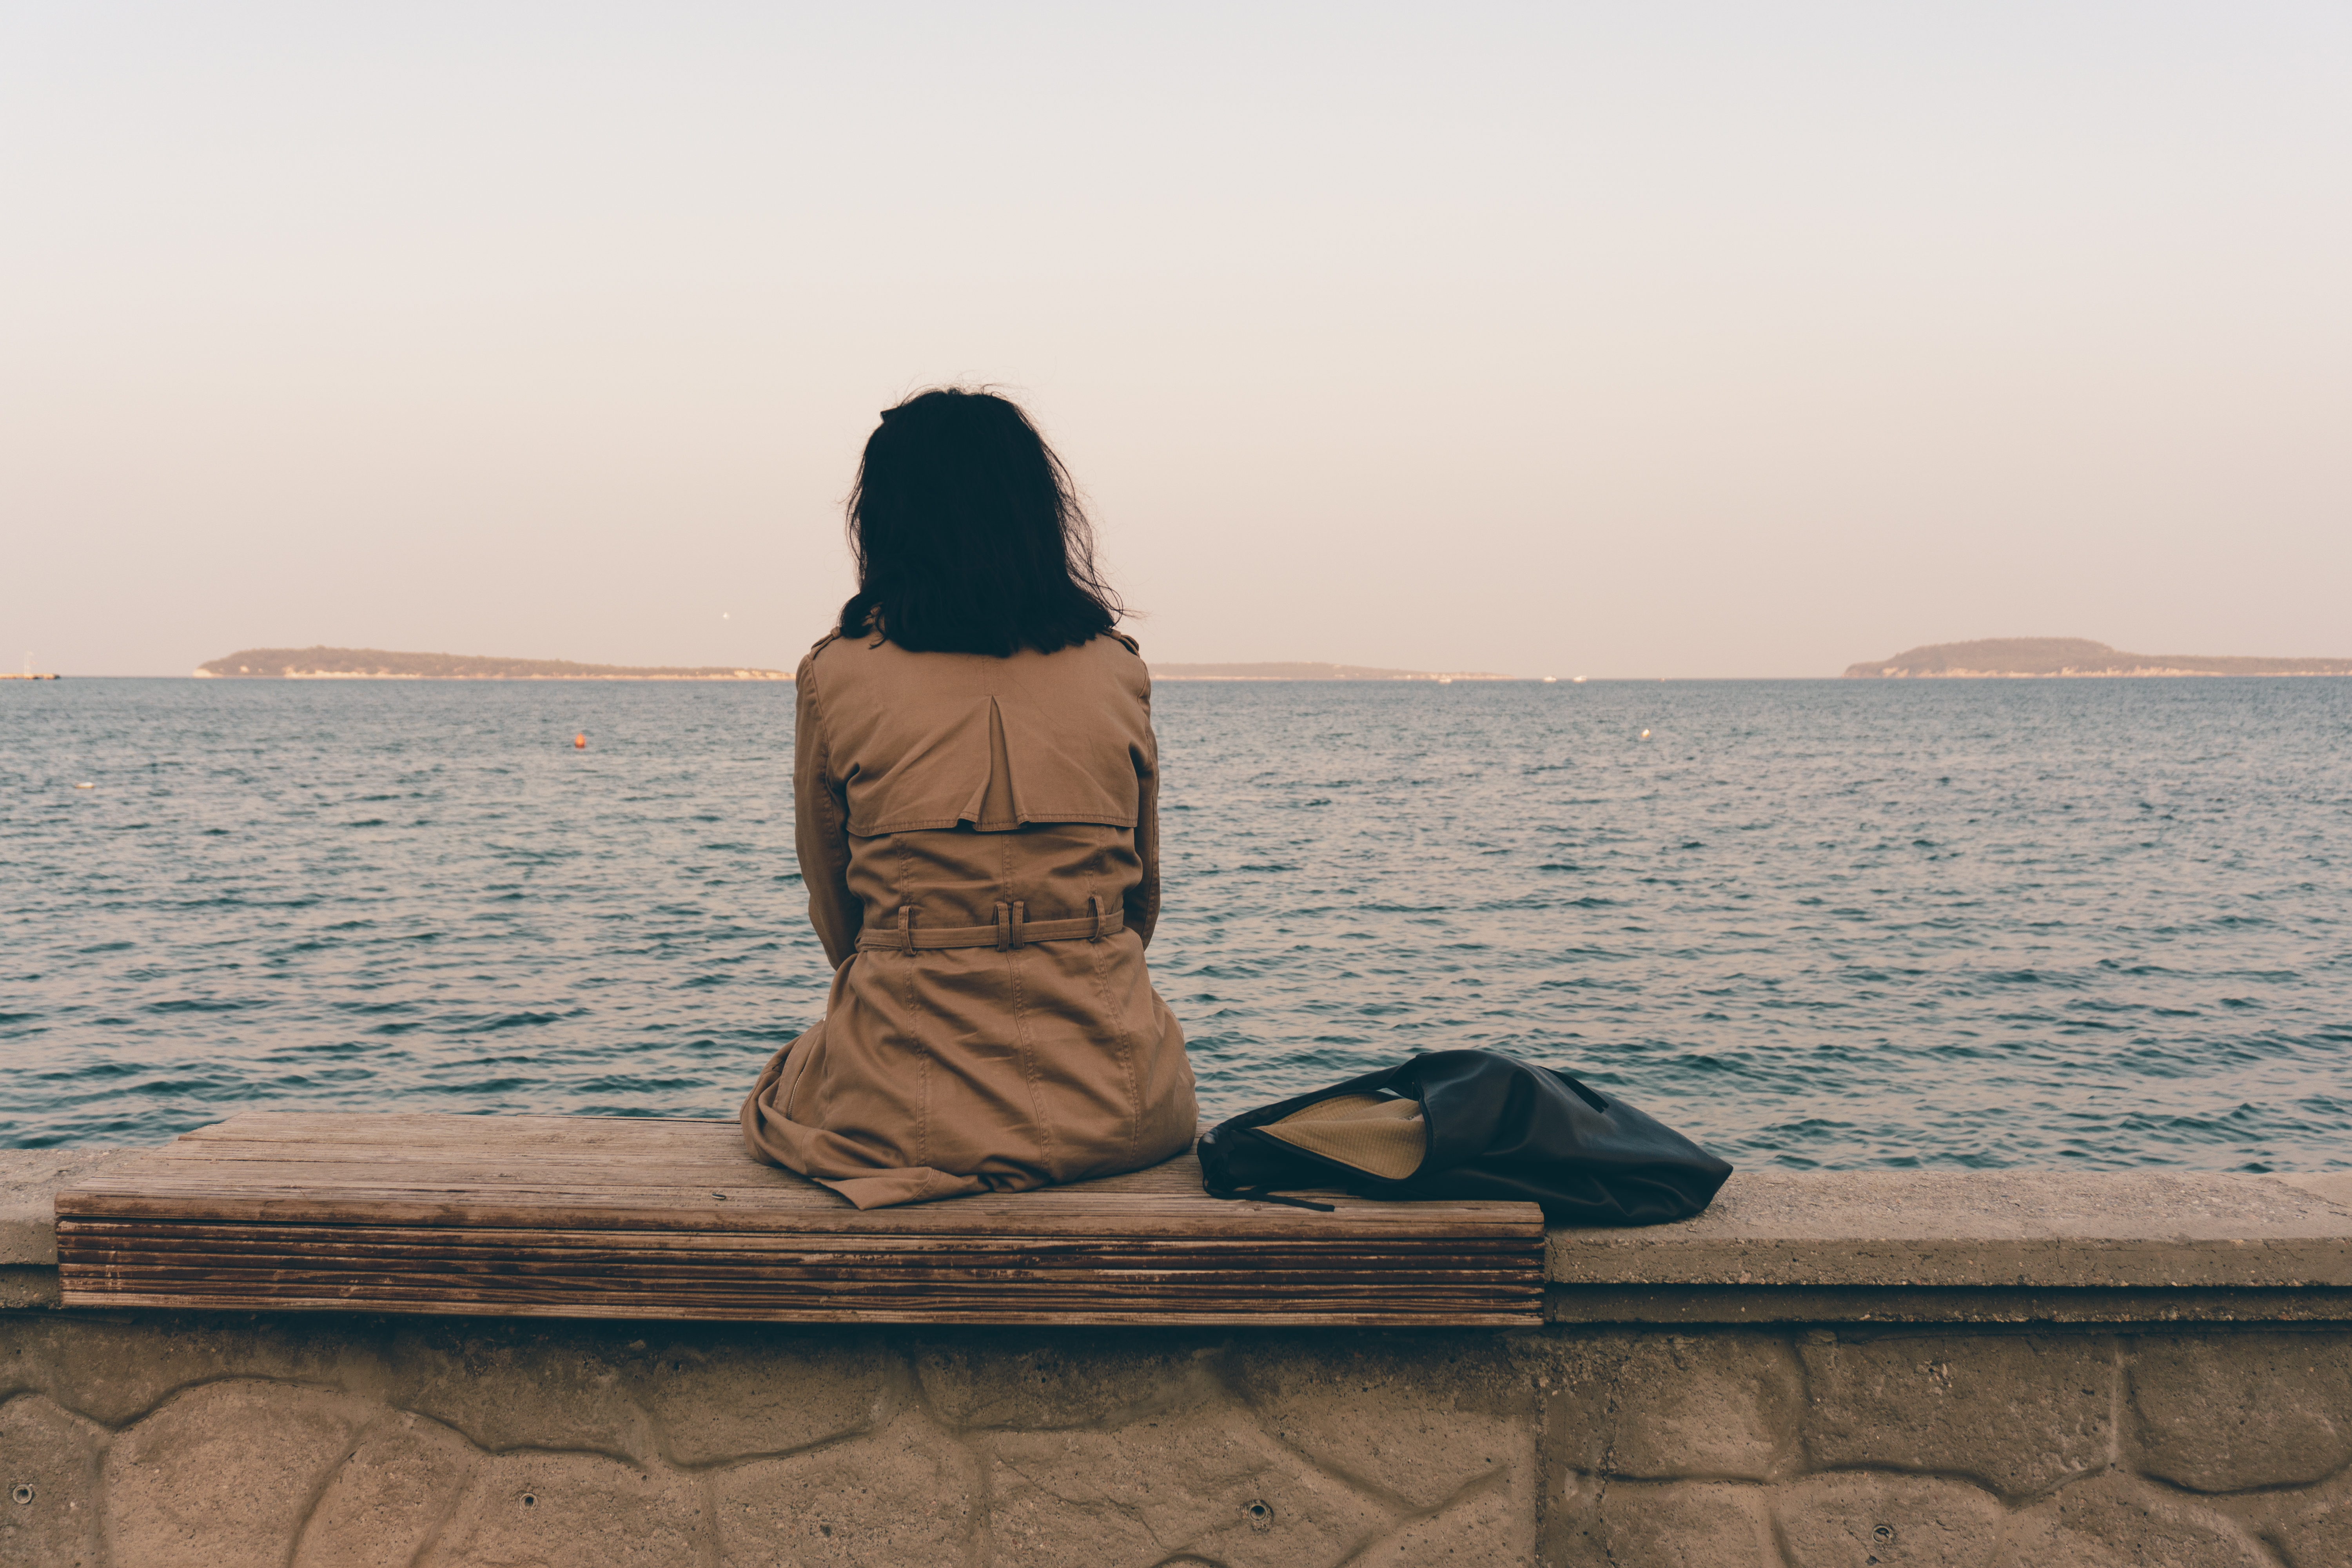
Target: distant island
376, 664
1311, 672
2076, 657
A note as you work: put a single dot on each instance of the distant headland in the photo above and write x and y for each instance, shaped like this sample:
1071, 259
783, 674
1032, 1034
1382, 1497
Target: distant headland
1311, 672
2075, 657
376, 664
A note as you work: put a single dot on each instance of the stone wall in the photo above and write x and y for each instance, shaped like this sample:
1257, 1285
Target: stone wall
1913, 1370
147, 1441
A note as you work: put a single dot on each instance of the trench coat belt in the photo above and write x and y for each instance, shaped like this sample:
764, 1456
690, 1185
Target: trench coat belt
1014, 928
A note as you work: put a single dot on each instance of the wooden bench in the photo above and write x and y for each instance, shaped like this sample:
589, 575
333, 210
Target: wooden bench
621, 1217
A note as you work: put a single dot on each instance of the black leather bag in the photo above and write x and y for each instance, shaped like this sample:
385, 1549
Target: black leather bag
1466, 1124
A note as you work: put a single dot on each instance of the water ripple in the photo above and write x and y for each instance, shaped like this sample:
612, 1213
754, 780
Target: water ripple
1962, 924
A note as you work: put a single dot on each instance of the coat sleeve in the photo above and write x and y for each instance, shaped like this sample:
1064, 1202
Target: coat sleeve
1141, 909
821, 826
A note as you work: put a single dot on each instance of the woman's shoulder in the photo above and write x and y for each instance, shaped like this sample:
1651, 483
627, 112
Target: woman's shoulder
807, 669
834, 646
1108, 656
1109, 648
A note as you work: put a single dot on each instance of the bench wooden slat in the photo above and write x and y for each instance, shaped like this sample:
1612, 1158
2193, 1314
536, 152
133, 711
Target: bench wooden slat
433, 1129
1029, 1284
1047, 1253
417, 1211
1253, 1315
653, 1211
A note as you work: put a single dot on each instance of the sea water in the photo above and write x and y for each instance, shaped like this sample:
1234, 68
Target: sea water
1815, 923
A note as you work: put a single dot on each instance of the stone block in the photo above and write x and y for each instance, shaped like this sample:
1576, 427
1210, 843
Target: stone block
570, 1510
1206, 1482
48, 1486
389, 1496
1601, 1523
908, 1494
1856, 1518
1721, 1405
114, 1371
2120, 1522
721, 1395
1035, 1383
1415, 1419
2312, 1526
2225, 1412
2023, 1412
521, 1385
222, 1476
1493, 1527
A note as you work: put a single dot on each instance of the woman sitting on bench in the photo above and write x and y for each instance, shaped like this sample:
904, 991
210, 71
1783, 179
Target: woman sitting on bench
975, 782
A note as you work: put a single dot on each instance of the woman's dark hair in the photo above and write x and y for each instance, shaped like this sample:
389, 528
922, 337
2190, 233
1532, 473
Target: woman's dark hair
968, 534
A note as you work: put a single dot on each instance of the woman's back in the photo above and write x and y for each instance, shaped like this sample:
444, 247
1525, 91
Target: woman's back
978, 838
939, 739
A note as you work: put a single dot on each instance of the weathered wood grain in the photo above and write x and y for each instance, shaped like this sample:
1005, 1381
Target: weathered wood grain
567, 1217
1260, 1315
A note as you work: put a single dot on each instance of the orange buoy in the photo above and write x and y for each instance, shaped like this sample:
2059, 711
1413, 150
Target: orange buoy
579, 742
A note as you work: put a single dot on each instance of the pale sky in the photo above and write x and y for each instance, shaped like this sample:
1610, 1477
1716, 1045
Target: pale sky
1660, 339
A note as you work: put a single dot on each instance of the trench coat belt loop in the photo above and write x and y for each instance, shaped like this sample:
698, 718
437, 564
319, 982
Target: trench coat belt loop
907, 929
1094, 908
1009, 920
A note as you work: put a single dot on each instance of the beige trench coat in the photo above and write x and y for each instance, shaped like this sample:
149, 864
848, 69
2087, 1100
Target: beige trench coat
979, 841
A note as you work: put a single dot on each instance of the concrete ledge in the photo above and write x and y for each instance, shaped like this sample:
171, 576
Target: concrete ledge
2042, 1230
1786, 1246
1668, 1305
30, 1180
